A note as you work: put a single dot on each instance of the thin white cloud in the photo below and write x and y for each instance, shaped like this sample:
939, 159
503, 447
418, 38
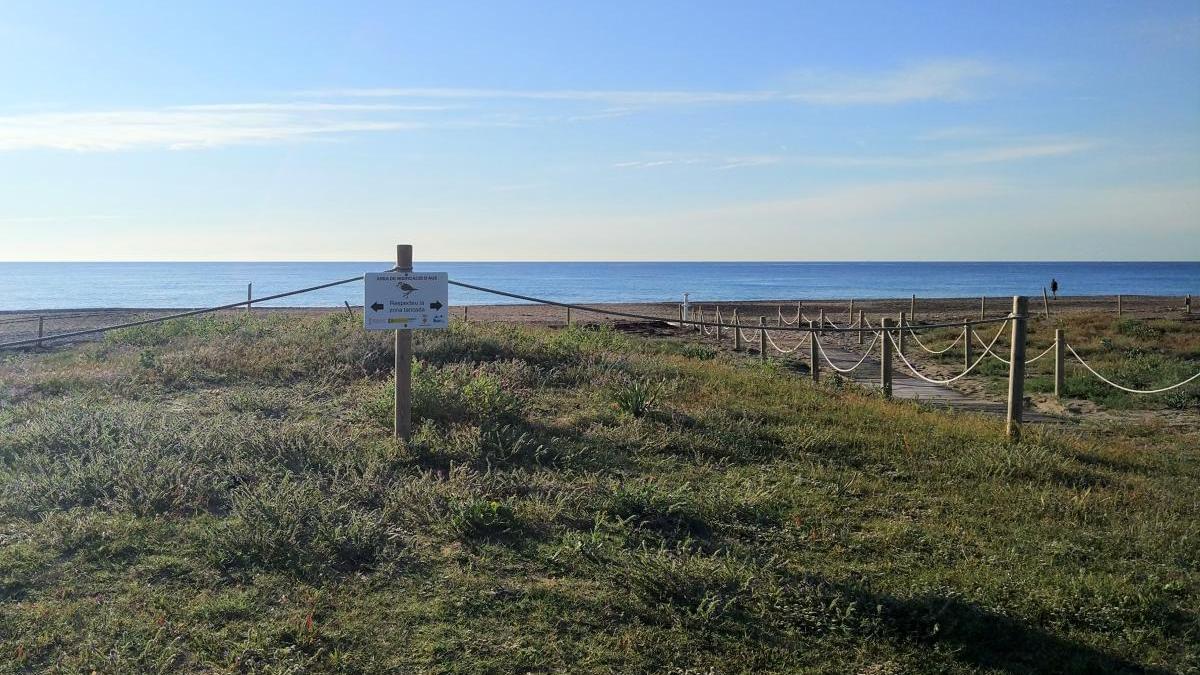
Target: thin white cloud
1017, 152
934, 81
181, 128
311, 107
748, 162
951, 80
669, 161
957, 133
315, 116
850, 202
714, 162
992, 154
634, 98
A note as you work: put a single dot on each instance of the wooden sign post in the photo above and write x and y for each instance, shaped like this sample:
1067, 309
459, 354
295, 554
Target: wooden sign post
885, 359
814, 366
762, 338
403, 393
1016, 368
1060, 362
402, 301
968, 357
737, 334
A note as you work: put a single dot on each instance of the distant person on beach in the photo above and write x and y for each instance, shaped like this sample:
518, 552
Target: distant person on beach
1054, 288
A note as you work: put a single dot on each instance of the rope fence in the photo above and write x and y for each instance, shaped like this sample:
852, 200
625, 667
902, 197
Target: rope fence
890, 334
866, 353
938, 351
803, 341
912, 369
169, 317
987, 350
1123, 388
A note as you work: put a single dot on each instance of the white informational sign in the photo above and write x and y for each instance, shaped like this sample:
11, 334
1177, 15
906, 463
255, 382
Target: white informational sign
395, 300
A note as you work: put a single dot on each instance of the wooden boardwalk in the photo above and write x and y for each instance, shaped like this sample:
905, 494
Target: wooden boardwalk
905, 386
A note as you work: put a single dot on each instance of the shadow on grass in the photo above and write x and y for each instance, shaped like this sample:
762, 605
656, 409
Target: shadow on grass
989, 640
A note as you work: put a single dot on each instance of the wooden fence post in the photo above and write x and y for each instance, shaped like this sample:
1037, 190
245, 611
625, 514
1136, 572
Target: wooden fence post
1119, 308
912, 308
1187, 305
1045, 302
1060, 362
814, 365
465, 320
762, 338
249, 295
779, 319
968, 357
568, 316
850, 314
821, 319
885, 359
344, 302
718, 333
860, 325
982, 312
737, 334
403, 392
41, 331
1016, 368
900, 334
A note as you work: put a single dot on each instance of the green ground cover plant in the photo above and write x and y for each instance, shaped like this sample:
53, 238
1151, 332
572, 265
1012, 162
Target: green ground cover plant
224, 495
1137, 353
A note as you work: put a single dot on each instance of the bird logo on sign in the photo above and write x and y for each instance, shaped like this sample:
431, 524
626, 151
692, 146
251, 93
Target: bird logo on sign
408, 290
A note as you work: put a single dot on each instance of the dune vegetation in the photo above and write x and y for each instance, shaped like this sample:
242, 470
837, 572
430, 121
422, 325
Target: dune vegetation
1138, 353
224, 494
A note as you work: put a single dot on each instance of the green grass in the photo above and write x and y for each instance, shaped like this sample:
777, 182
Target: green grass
1136, 353
224, 495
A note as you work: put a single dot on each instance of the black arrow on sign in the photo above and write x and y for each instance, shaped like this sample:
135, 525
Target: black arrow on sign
377, 306
435, 305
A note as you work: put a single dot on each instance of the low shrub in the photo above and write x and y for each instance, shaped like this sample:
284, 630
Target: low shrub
295, 526
482, 518
636, 397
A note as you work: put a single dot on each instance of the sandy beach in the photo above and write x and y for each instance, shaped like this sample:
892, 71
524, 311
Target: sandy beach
22, 325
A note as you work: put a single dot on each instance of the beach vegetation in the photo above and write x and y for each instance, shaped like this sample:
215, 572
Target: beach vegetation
226, 495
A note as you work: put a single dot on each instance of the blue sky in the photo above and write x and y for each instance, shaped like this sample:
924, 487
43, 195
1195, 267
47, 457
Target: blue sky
600, 131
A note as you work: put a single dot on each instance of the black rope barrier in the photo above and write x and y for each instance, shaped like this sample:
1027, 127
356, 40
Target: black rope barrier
482, 289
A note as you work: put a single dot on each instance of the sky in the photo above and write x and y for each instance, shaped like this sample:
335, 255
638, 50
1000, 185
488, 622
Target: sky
599, 130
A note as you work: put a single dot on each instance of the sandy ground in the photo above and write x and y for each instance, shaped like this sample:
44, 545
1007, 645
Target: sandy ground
23, 325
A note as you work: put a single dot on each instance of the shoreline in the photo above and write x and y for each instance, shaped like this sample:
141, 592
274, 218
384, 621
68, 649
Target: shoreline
1131, 302
20, 325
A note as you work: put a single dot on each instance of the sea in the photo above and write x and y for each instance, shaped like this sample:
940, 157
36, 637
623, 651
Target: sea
74, 285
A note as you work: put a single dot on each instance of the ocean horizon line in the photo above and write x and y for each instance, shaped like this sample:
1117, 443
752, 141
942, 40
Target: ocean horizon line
614, 262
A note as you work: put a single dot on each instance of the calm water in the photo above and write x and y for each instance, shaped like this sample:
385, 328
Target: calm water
75, 285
